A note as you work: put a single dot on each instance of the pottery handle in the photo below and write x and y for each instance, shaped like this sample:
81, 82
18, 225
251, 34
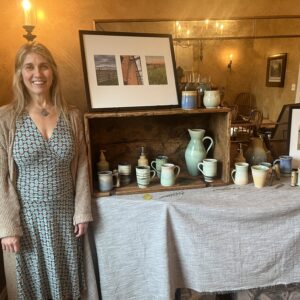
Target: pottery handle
232, 172
178, 171
117, 178
276, 161
152, 164
199, 167
153, 174
211, 142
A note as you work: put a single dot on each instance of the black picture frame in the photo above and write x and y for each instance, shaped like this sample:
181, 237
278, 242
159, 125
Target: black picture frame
294, 135
128, 71
276, 65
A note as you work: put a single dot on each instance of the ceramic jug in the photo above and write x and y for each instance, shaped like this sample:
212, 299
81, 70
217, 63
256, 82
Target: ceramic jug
211, 99
195, 151
256, 153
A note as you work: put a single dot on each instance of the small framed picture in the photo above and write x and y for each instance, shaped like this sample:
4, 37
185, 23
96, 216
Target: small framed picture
276, 65
125, 71
294, 135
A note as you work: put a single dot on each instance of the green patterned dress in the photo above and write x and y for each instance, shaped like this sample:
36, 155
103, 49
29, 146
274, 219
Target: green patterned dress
50, 263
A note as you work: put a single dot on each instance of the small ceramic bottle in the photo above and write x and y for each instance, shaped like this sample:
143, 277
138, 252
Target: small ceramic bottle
143, 161
102, 164
240, 156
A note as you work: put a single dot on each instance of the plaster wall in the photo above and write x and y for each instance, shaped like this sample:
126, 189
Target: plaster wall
271, 99
62, 20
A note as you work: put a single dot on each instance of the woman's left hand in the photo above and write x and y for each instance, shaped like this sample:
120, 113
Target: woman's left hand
80, 229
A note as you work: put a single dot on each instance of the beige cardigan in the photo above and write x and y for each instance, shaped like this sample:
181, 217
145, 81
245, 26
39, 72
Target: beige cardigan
9, 203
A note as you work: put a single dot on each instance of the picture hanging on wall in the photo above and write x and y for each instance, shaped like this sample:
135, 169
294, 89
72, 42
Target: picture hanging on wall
276, 65
294, 135
125, 71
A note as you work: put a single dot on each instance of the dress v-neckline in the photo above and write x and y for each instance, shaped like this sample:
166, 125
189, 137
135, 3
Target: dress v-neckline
39, 131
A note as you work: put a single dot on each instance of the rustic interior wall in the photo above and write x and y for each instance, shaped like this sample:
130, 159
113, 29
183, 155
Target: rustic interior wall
271, 99
62, 20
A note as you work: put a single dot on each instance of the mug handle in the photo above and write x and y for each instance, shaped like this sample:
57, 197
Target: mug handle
211, 142
276, 161
232, 172
178, 170
199, 167
117, 181
152, 165
153, 175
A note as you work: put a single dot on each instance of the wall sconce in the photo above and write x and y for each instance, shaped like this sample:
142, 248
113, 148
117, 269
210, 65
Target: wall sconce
29, 20
229, 66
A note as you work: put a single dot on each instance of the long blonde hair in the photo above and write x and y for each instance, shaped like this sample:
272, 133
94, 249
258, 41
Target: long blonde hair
21, 95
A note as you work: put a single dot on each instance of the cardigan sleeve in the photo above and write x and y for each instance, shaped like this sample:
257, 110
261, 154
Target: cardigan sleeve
83, 211
9, 202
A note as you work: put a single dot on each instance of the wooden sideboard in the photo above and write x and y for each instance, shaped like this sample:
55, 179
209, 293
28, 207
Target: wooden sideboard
161, 131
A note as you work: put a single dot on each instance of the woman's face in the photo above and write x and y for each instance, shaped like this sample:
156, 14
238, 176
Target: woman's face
37, 75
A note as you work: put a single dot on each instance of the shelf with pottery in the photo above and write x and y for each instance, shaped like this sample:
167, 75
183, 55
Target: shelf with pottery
183, 182
160, 132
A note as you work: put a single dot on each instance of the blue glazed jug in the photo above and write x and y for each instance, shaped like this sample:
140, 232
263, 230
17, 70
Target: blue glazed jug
195, 151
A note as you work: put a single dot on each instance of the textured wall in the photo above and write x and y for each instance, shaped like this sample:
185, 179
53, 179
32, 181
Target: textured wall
63, 19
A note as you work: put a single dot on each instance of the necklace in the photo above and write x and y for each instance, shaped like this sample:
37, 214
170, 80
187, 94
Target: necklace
44, 112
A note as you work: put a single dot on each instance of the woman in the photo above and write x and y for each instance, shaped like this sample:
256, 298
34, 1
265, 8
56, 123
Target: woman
44, 192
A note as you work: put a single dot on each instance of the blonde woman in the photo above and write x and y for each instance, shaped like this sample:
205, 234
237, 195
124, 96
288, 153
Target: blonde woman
44, 193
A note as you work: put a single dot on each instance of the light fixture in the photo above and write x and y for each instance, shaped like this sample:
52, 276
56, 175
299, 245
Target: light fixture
229, 66
29, 20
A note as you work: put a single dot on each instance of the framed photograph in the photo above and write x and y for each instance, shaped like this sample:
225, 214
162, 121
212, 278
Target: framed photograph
276, 65
125, 71
294, 135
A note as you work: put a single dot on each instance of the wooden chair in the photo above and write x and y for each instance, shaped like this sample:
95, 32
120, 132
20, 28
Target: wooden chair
245, 103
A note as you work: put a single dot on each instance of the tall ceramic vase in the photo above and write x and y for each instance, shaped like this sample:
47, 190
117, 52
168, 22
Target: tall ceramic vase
195, 151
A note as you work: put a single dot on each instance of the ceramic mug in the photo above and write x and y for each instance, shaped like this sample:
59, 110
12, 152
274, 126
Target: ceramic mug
105, 179
124, 170
168, 174
241, 173
189, 100
208, 167
144, 175
259, 175
156, 164
285, 164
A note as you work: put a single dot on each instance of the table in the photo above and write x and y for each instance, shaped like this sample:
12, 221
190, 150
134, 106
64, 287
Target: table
210, 240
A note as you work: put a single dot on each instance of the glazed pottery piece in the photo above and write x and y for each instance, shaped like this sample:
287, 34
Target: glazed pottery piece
195, 151
211, 99
169, 174
208, 168
239, 175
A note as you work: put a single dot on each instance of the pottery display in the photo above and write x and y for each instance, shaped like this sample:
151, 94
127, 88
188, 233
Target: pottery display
195, 151
211, 99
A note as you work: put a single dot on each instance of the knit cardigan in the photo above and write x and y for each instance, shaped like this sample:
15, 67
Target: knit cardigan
9, 203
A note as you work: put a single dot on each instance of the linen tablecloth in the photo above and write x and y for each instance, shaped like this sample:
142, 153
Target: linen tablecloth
210, 240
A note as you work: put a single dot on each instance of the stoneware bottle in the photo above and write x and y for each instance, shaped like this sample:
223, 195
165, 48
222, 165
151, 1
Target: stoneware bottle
102, 164
195, 151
